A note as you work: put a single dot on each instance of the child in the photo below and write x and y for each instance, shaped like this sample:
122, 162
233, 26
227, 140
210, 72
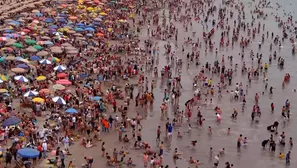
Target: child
179, 135
209, 130
189, 128
245, 141
229, 131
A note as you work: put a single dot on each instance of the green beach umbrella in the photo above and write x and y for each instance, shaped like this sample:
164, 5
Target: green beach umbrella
124, 9
2, 59
18, 45
38, 47
30, 41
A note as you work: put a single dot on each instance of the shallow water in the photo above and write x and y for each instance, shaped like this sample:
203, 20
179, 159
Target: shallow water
248, 156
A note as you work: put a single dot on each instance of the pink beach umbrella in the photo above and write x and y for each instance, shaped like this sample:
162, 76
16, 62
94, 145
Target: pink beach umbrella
63, 82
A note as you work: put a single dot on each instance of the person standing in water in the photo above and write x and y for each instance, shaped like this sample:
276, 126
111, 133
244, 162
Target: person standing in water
239, 141
288, 158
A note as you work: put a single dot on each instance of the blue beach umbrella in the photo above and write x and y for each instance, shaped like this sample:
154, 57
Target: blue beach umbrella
24, 66
30, 94
35, 58
53, 27
38, 14
80, 25
71, 110
48, 43
62, 20
48, 20
78, 29
21, 78
96, 98
59, 100
8, 31
28, 153
13, 120
89, 29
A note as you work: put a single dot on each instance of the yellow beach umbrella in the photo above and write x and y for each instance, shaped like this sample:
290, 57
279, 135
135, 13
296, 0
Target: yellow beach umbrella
38, 100
3, 77
122, 21
40, 78
103, 14
3, 90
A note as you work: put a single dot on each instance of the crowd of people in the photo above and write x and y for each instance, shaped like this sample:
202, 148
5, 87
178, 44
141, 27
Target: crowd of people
86, 69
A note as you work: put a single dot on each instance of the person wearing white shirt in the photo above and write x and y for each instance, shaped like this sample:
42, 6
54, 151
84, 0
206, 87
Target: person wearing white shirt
44, 149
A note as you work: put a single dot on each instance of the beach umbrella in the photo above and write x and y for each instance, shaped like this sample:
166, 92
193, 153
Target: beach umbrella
96, 98
3, 90
30, 94
89, 29
49, 20
18, 45
23, 60
72, 51
30, 41
2, 59
8, 31
7, 49
48, 43
34, 58
63, 82
10, 43
62, 20
44, 91
78, 29
54, 59
59, 100
123, 9
41, 78
28, 153
61, 75
80, 24
10, 57
4, 77
53, 27
45, 62
31, 49
38, 47
103, 14
42, 53
1, 81
100, 34
38, 100
38, 14
58, 87
13, 120
24, 66
71, 110
18, 70
60, 68
57, 51
45, 38
3, 38
21, 78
